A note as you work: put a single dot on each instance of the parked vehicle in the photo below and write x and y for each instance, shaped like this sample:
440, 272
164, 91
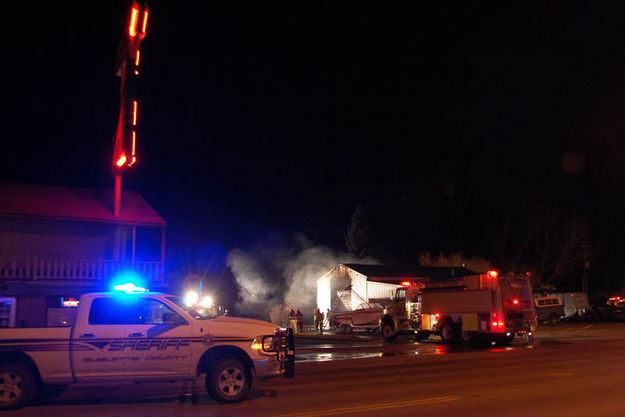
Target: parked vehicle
134, 335
468, 309
549, 309
606, 312
366, 316
575, 304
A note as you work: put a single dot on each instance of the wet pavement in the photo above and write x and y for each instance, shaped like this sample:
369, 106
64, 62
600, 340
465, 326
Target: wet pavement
313, 347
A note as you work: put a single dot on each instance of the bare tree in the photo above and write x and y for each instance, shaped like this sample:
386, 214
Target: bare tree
550, 242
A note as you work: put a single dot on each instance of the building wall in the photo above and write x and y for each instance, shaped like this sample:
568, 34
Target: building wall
333, 291
44, 261
359, 289
343, 289
40, 305
380, 291
22, 237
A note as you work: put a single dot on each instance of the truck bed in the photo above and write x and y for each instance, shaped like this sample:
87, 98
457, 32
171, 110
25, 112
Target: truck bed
49, 347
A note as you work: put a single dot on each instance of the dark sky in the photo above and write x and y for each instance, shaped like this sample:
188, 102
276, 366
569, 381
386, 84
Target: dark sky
282, 117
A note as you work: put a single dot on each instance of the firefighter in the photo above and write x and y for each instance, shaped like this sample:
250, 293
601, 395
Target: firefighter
298, 320
316, 318
292, 320
327, 318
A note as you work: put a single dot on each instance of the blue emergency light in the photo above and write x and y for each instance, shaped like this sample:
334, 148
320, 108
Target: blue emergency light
128, 281
129, 287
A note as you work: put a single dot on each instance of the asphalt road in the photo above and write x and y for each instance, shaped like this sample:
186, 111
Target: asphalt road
576, 370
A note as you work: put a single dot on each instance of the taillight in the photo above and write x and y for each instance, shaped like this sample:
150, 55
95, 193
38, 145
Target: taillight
497, 322
515, 301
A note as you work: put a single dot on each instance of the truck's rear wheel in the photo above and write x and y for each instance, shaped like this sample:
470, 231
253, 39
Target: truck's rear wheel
504, 339
228, 381
448, 331
18, 386
471, 338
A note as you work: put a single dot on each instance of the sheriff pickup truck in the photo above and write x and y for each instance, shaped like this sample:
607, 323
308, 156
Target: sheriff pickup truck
134, 335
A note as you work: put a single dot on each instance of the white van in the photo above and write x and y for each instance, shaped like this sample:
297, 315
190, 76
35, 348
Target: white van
575, 304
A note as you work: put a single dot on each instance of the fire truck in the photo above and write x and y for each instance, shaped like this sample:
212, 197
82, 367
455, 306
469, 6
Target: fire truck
471, 309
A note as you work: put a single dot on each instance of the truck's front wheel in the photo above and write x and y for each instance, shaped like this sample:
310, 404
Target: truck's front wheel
228, 381
388, 331
17, 386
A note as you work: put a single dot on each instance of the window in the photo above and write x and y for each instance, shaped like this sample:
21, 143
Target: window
156, 312
7, 311
129, 310
123, 310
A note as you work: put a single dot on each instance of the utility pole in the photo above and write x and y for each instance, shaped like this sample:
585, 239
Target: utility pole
586, 267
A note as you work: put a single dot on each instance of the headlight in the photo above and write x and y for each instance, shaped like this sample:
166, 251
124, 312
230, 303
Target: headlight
263, 344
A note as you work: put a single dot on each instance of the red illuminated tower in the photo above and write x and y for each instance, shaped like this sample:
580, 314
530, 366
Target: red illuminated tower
125, 142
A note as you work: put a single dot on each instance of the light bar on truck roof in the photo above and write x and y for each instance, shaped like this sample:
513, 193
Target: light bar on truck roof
129, 288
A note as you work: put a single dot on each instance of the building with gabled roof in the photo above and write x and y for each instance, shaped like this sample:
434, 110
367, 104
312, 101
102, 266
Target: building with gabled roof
348, 285
58, 242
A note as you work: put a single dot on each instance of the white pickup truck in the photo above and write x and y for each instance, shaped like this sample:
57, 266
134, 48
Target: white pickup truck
142, 336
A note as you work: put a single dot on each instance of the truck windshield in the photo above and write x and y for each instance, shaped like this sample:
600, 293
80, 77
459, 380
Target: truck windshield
200, 314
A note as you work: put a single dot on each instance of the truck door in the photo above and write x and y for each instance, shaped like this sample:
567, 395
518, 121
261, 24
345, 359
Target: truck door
160, 340
400, 304
95, 349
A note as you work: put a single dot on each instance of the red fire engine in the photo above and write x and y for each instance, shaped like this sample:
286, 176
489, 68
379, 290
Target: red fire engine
468, 309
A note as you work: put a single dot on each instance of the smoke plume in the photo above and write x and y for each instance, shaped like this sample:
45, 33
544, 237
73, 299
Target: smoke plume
274, 278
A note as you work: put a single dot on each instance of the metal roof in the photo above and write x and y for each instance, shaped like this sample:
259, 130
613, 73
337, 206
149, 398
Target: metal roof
75, 204
398, 272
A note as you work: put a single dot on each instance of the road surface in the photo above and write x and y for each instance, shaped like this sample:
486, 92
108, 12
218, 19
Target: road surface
571, 371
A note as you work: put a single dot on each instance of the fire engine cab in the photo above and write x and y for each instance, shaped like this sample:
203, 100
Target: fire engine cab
471, 309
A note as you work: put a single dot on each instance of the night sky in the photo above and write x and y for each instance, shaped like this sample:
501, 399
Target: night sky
274, 118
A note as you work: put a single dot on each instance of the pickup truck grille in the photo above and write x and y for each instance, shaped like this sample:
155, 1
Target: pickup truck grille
284, 341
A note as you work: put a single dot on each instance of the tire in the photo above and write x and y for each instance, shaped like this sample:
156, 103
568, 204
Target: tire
18, 386
470, 338
449, 332
504, 340
228, 381
420, 335
388, 331
552, 319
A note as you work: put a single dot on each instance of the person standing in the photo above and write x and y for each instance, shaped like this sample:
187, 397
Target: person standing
316, 318
292, 321
328, 318
298, 320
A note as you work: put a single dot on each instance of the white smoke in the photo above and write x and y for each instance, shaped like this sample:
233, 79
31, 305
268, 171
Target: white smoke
279, 277
255, 288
